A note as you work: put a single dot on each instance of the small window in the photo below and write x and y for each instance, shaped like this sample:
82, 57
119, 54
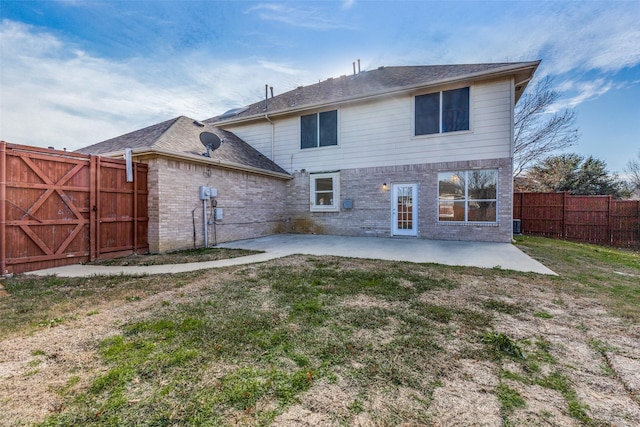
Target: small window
468, 196
319, 129
442, 112
325, 192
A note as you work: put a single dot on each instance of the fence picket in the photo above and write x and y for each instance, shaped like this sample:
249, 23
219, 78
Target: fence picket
590, 219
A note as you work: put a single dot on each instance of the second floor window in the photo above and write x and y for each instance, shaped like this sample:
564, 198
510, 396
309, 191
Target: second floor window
442, 112
319, 129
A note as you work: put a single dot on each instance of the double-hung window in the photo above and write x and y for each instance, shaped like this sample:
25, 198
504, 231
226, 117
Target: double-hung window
441, 112
319, 129
468, 196
325, 192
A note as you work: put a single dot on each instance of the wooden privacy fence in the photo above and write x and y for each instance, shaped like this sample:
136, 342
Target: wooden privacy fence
589, 219
59, 208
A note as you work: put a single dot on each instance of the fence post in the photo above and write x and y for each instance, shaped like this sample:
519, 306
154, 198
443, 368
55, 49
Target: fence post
3, 208
564, 214
609, 230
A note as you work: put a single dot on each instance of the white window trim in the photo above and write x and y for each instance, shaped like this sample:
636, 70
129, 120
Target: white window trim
335, 177
440, 134
466, 200
319, 147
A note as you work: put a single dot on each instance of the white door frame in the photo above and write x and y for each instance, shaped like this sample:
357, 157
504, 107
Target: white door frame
404, 209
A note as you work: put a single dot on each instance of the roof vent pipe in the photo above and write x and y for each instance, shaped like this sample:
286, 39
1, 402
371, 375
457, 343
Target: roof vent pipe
266, 97
354, 67
358, 66
271, 88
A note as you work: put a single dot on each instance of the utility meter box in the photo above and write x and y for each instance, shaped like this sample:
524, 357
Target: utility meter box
207, 192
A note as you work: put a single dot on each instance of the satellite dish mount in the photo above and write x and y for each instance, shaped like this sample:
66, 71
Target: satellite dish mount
211, 142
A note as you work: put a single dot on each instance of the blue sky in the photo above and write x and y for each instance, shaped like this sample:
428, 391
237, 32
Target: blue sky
73, 73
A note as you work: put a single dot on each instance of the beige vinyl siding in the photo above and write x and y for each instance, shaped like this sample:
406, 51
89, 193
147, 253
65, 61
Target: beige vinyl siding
258, 135
380, 133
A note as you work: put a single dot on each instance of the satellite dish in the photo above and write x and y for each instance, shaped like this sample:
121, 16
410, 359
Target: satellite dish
211, 141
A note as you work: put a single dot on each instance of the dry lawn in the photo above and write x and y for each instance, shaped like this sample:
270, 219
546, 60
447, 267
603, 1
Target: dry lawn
581, 350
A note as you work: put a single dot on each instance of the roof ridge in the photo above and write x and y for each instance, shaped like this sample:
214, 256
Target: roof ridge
385, 79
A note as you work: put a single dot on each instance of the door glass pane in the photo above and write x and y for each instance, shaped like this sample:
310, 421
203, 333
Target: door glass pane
404, 206
455, 110
427, 114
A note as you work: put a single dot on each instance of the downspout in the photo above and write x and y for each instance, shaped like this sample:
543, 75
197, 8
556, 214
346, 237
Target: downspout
512, 94
273, 138
3, 206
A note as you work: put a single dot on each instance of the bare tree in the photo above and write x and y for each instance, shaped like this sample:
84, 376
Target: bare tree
633, 173
538, 132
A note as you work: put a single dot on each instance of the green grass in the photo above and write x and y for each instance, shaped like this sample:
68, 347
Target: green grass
609, 274
543, 315
502, 344
43, 302
509, 399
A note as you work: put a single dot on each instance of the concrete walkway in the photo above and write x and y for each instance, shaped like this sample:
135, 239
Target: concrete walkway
475, 254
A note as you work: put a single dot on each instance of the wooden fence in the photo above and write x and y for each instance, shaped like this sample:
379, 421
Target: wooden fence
59, 208
589, 219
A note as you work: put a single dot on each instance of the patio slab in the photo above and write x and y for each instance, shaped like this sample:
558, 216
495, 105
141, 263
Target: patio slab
473, 254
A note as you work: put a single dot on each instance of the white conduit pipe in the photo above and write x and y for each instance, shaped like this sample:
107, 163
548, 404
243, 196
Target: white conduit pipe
204, 219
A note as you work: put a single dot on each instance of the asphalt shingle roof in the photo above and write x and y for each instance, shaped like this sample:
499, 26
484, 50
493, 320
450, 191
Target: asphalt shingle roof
367, 83
182, 135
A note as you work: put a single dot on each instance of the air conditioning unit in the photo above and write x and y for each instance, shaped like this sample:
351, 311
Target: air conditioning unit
517, 226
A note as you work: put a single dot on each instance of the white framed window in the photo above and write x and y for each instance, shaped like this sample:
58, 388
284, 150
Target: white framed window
319, 129
442, 112
468, 196
325, 192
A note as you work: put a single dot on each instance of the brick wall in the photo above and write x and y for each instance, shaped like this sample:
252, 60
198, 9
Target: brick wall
371, 212
255, 205
252, 205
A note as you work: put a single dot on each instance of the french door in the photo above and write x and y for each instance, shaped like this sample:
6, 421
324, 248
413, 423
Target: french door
404, 208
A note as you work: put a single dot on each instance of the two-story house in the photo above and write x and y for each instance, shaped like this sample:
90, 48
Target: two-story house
421, 151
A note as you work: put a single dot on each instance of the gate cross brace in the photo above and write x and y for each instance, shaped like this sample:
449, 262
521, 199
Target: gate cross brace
43, 198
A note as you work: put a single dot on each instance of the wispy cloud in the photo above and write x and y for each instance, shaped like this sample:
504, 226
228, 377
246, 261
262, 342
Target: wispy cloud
348, 4
54, 94
578, 92
313, 18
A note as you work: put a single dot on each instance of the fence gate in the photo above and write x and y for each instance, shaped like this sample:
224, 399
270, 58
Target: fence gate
59, 208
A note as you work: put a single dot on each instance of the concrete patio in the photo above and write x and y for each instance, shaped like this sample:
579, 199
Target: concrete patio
473, 254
